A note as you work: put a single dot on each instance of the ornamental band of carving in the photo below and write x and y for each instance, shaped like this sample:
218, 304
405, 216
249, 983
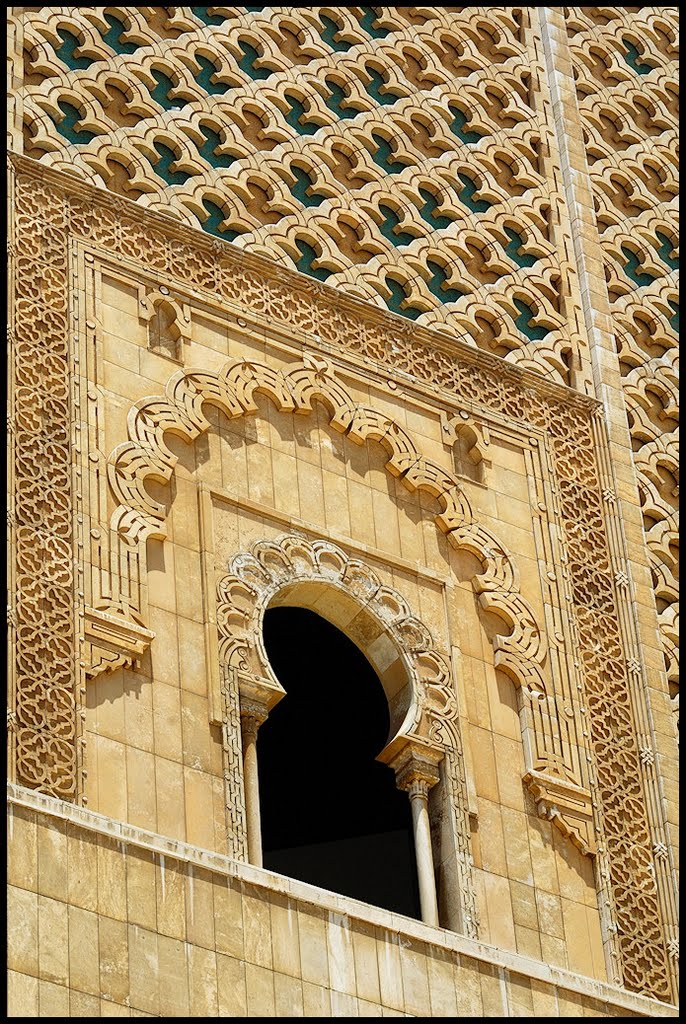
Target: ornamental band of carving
43, 209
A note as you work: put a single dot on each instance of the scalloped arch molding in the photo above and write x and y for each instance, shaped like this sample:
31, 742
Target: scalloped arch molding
521, 653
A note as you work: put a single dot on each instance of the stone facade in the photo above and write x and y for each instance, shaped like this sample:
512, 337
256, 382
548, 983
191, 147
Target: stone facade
341, 308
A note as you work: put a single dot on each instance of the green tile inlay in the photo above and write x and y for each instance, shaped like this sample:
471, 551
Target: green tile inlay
383, 153
247, 62
458, 125
336, 99
465, 196
631, 270
163, 166
162, 90
367, 23
113, 36
674, 320
210, 147
329, 31
66, 125
375, 85
632, 57
438, 220
666, 249
216, 216
303, 182
390, 223
66, 54
204, 79
306, 260
524, 322
209, 19
293, 116
398, 296
513, 249
437, 284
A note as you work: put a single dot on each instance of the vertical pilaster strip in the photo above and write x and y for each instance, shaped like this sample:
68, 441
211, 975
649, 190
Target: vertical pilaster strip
11, 491
647, 687
44, 406
234, 787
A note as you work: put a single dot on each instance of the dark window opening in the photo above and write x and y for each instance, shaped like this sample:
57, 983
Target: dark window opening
331, 814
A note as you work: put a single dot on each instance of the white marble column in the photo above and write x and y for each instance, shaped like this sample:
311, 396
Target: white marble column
250, 723
419, 799
257, 698
415, 764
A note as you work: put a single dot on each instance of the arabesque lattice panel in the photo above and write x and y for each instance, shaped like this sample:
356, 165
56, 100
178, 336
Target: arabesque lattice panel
626, 68
402, 154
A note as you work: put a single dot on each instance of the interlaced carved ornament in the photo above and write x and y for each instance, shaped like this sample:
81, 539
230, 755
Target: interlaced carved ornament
403, 155
626, 69
48, 211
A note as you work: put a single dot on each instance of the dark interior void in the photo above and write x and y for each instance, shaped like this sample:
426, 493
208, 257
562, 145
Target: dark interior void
331, 814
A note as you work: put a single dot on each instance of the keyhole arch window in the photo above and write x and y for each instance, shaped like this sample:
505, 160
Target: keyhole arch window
423, 749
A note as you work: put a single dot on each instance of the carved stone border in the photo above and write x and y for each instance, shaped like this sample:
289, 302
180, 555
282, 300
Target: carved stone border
521, 654
46, 202
428, 713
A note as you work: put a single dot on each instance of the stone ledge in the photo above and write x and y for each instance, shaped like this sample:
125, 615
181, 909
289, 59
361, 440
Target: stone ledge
278, 884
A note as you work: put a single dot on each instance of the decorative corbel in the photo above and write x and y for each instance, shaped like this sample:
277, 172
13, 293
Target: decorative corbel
115, 642
566, 805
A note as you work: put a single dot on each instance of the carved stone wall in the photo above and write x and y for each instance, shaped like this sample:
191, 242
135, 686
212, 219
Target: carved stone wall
567, 419
420, 167
404, 156
626, 69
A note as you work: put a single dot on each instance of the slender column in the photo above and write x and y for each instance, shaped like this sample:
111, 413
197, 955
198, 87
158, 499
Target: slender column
257, 697
251, 720
419, 801
415, 763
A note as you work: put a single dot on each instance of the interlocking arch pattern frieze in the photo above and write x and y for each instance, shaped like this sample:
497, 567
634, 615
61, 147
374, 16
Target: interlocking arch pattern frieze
404, 156
50, 210
428, 712
626, 65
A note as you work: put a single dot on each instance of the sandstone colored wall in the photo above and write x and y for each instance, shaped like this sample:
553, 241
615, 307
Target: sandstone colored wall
112, 921
487, 429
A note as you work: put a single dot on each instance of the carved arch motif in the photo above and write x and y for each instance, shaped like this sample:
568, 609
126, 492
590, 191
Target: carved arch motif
521, 653
424, 710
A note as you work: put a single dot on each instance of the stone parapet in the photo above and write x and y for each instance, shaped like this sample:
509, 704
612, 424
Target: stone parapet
139, 924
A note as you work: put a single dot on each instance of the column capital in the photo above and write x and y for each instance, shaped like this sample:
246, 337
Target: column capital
258, 696
253, 714
414, 762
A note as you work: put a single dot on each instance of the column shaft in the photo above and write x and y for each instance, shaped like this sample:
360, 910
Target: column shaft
252, 790
424, 855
